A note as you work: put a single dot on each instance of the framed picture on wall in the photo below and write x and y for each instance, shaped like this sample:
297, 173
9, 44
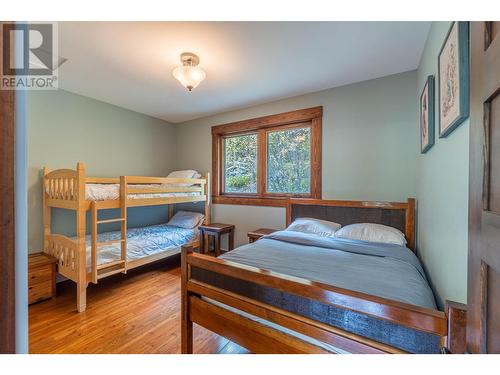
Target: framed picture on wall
453, 68
427, 115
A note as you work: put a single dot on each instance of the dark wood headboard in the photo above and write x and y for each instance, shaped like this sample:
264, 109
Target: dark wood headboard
399, 215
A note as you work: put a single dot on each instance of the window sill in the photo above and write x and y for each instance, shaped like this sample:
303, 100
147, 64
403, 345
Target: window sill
250, 201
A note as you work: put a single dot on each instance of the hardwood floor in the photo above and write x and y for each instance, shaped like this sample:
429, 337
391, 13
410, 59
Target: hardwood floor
134, 313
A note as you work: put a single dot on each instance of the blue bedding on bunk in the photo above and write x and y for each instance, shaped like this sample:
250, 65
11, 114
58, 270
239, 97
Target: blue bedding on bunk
142, 241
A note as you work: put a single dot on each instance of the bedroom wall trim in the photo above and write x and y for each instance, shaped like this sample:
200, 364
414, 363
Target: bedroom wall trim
291, 117
308, 117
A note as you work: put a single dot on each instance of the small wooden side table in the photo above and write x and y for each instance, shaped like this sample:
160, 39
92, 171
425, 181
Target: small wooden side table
258, 233
216, 230
41, 277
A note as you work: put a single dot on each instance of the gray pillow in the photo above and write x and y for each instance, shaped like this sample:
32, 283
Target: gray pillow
186, 219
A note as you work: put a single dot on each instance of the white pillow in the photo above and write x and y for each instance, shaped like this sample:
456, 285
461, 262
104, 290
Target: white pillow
186, 219
373, 233
187, 173
321, 228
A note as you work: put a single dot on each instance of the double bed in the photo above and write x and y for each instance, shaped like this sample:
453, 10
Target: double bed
291, 292
360, 266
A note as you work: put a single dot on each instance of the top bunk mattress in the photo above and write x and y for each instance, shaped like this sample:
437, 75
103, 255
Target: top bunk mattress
104, 192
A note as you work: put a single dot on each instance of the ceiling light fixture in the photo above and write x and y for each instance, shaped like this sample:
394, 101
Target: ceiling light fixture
189, 74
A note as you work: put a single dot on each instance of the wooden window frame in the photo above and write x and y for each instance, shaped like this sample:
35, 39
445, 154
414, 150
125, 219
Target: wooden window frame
310, 117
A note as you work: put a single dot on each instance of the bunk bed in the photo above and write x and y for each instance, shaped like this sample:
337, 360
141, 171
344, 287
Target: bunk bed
276, 295
86, 258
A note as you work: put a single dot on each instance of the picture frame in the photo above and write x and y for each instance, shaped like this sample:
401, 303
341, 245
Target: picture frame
453, 72
427, 103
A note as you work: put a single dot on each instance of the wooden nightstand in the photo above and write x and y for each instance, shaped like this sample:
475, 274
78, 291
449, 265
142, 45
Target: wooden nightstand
216, 230
256, 234
41, 277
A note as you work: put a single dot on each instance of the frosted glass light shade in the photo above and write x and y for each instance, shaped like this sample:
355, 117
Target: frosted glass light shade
189, 76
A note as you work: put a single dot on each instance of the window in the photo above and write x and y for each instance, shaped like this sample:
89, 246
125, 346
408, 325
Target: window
289, 161
263, 161
240, 164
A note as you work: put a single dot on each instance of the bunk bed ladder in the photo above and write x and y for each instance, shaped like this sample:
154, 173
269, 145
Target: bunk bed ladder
100, 271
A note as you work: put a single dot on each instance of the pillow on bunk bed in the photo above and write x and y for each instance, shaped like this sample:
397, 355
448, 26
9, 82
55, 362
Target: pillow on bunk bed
188, 173
373, 233
186, 219
318, 227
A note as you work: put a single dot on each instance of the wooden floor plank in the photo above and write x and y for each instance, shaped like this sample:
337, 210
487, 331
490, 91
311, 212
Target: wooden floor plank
134, 313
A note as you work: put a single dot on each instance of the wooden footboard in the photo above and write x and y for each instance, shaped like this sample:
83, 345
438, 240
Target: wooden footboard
65, 188
66, 252
220, 311
61, 188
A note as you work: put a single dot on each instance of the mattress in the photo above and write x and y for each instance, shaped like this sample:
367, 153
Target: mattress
384, 270
142, 242
102, 192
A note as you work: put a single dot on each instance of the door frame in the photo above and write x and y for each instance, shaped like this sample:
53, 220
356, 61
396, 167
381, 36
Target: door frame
483, 260
7, 218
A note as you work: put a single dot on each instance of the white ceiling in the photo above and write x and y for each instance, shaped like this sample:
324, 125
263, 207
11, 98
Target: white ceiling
130, 64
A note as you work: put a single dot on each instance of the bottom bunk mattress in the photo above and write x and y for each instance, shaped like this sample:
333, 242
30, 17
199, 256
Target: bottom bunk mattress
383, 270
142, 242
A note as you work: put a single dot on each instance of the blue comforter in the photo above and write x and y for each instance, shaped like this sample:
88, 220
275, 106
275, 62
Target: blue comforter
384, 270
141, 242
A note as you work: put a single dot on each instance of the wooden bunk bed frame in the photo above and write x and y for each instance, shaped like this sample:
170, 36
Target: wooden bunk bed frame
65, 188
221, 317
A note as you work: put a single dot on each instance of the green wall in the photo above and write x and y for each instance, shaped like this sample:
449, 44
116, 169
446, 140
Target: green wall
369, 142
64, 128
442, 193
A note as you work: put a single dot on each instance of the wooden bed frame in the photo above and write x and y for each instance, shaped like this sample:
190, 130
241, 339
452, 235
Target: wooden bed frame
65, 188
198, 297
